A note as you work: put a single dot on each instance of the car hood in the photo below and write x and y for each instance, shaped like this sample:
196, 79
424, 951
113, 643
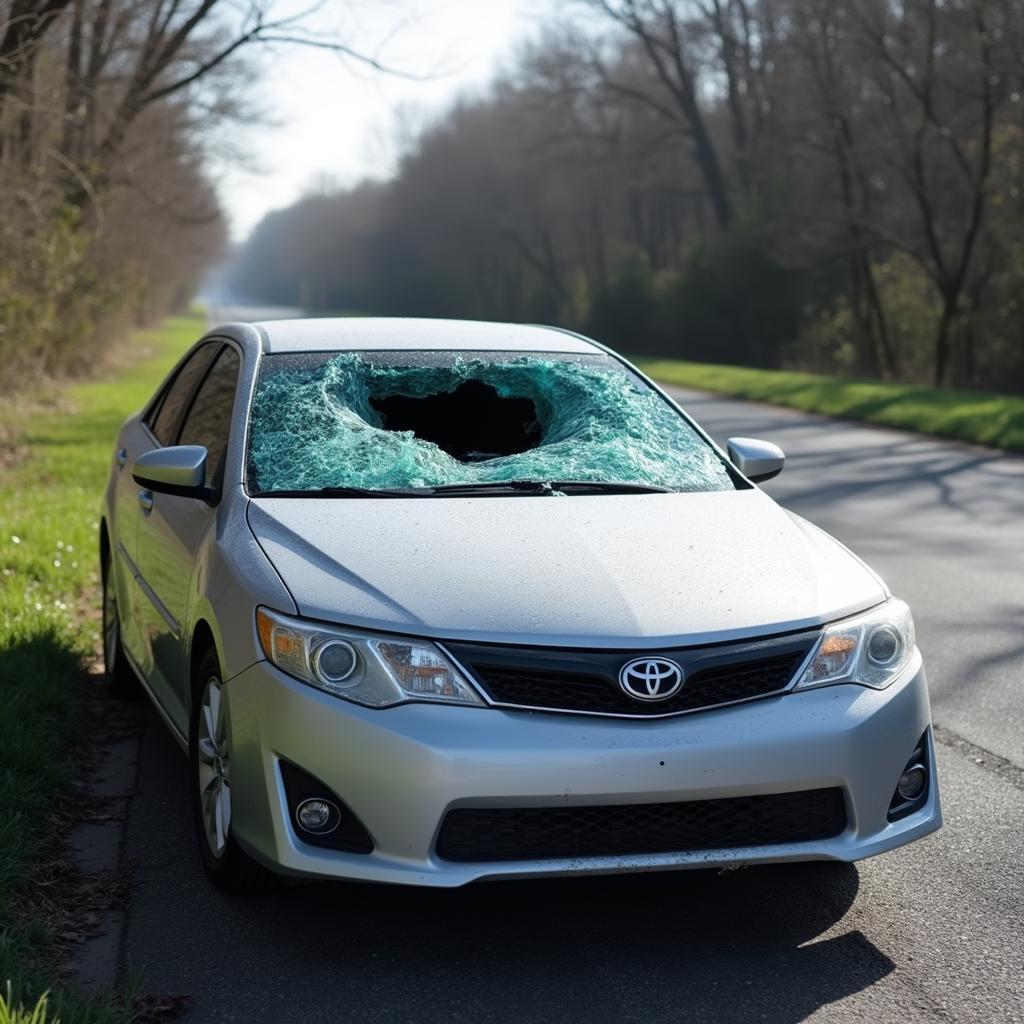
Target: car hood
595, 571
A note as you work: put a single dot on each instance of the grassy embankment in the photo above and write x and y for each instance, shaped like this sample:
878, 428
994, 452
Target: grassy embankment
996, 420
53, 465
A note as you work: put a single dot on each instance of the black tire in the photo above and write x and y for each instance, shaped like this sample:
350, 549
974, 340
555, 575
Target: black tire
229, 867
121, 679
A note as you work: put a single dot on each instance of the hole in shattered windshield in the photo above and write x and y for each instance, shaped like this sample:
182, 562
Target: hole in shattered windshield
424, 419
471, 423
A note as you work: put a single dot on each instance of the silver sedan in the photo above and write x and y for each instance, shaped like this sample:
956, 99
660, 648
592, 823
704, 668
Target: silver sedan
435, 601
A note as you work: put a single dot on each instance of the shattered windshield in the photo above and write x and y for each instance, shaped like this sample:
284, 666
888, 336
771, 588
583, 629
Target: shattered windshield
400, 420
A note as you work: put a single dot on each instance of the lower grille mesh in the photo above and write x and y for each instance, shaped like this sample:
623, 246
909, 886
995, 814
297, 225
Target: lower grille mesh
535, 833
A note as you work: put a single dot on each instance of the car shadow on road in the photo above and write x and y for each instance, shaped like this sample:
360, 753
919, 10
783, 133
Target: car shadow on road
757, 944
737, 947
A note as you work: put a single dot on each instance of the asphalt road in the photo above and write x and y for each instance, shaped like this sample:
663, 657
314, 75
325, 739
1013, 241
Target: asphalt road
933, 932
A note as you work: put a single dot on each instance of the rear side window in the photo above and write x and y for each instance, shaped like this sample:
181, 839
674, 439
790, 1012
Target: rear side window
166, 414
208, 421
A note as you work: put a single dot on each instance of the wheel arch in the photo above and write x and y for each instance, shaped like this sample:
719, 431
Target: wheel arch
203, 641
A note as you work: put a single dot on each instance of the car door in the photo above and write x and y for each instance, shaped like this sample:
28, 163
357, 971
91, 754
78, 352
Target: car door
172, 530
157, 428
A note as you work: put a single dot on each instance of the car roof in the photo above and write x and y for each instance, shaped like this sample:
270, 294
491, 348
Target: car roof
343, 334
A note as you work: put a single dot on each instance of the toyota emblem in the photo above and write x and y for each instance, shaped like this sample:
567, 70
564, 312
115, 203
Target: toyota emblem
651, 678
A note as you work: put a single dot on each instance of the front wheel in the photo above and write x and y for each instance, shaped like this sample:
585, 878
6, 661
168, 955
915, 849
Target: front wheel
228, 866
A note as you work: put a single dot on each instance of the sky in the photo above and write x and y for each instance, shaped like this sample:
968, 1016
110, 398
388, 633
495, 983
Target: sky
331, 120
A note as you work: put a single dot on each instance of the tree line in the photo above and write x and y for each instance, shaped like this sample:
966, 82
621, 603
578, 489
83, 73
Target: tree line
829, 184
108, 217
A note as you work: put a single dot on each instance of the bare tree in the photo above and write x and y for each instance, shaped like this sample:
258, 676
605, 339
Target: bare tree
826, 127
938, 77
666, 38
23, 26
162, 48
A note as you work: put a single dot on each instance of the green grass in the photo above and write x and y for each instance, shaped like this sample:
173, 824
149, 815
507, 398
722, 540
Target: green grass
12, 1014
996, 420
49, 511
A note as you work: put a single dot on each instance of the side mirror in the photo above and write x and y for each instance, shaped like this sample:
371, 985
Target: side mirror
180, 470
756, 460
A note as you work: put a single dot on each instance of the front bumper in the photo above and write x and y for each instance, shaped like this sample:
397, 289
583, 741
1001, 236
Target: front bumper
401, 769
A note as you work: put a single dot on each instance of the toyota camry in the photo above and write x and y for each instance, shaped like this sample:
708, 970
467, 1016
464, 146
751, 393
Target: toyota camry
435, 601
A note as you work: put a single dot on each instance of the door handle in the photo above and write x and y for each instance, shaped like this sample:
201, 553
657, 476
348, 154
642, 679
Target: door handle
122, 457
146, 500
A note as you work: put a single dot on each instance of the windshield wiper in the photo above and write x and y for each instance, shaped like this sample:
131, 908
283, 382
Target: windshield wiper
345, 492
548, 487
608, 487
492, 487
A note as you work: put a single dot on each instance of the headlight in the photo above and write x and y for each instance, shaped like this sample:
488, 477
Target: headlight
871, 649
367, 668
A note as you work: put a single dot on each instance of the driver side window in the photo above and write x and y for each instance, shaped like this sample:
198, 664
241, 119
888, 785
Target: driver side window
208, 421
165, 415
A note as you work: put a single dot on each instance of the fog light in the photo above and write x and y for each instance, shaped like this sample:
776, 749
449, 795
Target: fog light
316, 815
912, 783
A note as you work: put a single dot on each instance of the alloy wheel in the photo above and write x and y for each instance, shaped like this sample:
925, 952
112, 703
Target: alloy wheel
214, 779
